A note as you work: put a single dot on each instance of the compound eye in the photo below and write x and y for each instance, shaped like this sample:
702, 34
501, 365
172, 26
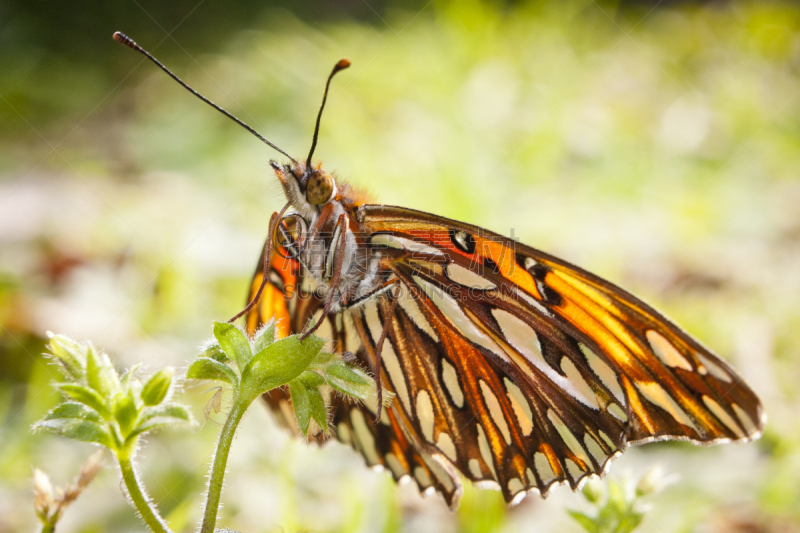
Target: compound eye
291, 235
319, 187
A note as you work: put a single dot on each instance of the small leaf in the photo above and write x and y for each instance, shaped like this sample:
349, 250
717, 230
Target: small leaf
630, 522
126, 377
100, 373
279, 363
207, 368
70, 355
264, 336
166, 414
234, 343
311, 379
86, 396
586, 522
317, 407
350, 380
213, 351
156, 388
301, 404
322, 359
73, 410
82, 430
125, 411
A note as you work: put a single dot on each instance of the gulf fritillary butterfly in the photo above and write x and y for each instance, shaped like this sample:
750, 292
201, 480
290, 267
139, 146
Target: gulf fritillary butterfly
506, 365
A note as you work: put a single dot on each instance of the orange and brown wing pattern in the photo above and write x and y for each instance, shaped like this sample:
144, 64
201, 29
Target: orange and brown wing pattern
559, 368
469, 399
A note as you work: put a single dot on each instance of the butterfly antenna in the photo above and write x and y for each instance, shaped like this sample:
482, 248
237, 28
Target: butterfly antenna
338, 67
130, 43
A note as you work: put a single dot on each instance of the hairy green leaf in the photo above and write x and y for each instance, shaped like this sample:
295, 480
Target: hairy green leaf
166, 414
214, 351
301, 404
279, 363
86, 396
311, 379
100, 373
70, 355
74, 410
234, 343
264, 336
317, 407
350, 380
78, 429
207, 368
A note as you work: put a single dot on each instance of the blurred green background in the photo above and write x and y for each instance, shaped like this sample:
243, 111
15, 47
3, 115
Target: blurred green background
656, 144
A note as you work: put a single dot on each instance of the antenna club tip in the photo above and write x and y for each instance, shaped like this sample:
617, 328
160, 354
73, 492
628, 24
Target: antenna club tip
342, 64
122, 38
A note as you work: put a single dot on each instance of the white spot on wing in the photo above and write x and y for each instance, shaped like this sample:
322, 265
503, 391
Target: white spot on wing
374, 324
495, 410
666, 351
574, 376
594, 449
394, 465
567, 436
714, 368
422, 476
521, 407
486, 451
445, 443
364, 437
747, 422
542, 465
452, 311
723, 415
343, 433
396, 376
411, 308
656, 394
573, 468
603, 371
515, 485
523, 338
467, 278
475, 468
425, 414
450, 378
617, 411
402, 243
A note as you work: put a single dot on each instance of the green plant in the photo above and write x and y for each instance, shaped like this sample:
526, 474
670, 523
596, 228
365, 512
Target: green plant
620, 511
113, 411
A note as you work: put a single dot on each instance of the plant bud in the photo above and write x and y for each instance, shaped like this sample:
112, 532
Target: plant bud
155, 390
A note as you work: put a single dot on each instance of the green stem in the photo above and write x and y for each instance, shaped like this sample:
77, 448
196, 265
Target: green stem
220, 462
143, 505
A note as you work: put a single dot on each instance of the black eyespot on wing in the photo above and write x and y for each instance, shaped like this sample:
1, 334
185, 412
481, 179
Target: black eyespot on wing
489, 263
550, 295
463, 241
539, 273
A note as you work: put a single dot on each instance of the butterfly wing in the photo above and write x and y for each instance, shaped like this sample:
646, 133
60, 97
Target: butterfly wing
524, 370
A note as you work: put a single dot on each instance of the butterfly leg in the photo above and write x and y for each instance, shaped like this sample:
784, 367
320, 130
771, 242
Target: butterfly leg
344, 220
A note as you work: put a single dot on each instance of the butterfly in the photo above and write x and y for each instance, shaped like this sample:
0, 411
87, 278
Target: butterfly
506, 366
